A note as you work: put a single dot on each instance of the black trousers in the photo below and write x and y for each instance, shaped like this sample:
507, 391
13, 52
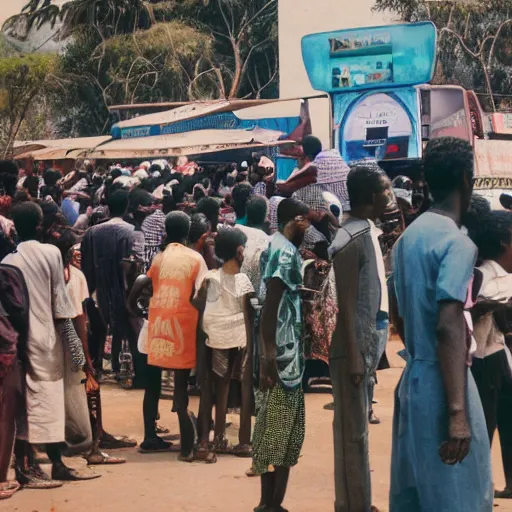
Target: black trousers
124, 327
150, 406
494, 384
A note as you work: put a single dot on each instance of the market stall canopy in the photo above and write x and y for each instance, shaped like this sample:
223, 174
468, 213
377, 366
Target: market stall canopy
219, 114
58, 149
186, 144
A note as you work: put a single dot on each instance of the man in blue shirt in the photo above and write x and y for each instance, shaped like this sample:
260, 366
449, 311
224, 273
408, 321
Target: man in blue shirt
441, 455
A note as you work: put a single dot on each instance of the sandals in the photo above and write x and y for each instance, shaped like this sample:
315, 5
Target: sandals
62, 473
109, 442
250, 473
204, 454
506, 494
222, 447
98, 459
162, 430
29, 479
243, 451
7, 489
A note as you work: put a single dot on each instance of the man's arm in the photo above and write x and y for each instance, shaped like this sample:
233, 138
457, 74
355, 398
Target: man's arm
69, 336
456, 266
141, 284
452, 352
394, 315
269, 317
87, 261
80, 324
347, 270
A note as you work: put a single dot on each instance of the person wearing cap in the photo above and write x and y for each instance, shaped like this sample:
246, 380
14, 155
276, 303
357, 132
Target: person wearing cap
280, 423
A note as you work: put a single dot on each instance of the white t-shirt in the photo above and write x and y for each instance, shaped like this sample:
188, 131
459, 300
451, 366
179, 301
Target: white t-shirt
384, 299
77, 289
223, 319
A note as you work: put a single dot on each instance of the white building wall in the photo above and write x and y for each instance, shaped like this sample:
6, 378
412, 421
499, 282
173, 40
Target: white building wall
298, 18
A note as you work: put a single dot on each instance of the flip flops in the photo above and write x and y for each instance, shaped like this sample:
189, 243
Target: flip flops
64, 474
110, 442
98, 459
7, 489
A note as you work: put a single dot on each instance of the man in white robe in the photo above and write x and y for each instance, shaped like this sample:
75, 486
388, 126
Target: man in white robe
50, 327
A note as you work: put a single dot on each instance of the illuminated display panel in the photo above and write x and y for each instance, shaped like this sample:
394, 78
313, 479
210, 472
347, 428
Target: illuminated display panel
369, 58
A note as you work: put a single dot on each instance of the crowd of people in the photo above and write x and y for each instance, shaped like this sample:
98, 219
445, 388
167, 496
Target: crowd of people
234, 284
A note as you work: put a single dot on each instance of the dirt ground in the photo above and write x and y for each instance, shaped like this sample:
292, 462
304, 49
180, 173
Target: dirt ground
159, 482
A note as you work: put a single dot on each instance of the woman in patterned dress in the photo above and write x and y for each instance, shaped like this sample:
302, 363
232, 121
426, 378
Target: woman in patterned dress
280, 424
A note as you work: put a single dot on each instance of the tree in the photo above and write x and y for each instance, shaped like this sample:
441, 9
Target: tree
168, 60
246, 37
473, 44
135, 51
245, 32
110, 17
22, 80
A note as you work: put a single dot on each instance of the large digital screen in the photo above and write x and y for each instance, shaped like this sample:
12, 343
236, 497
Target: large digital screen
368, 58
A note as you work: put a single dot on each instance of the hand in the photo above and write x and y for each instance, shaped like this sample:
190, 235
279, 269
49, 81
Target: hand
89, 370
356, 369
91, 384
268, 373
457, 447
207, 238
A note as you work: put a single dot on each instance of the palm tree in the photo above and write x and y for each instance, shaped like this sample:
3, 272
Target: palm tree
109, 17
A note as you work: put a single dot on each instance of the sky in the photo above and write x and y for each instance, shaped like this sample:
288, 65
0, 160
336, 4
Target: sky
11, 7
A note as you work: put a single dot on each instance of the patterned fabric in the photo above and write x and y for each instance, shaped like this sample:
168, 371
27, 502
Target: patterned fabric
260, 189
272, 212
231, 361
257, 242
153, 228
311, 237
138, 247
312, 195
279, 431
332, 177
282, 261
70, 337
320, 312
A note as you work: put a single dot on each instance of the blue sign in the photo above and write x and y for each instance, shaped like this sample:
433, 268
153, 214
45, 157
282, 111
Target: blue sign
380, 125
370, 58
222, 121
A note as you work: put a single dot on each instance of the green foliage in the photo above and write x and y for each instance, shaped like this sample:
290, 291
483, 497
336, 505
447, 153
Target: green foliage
473, 45
153, 65
136, 51
22, 80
